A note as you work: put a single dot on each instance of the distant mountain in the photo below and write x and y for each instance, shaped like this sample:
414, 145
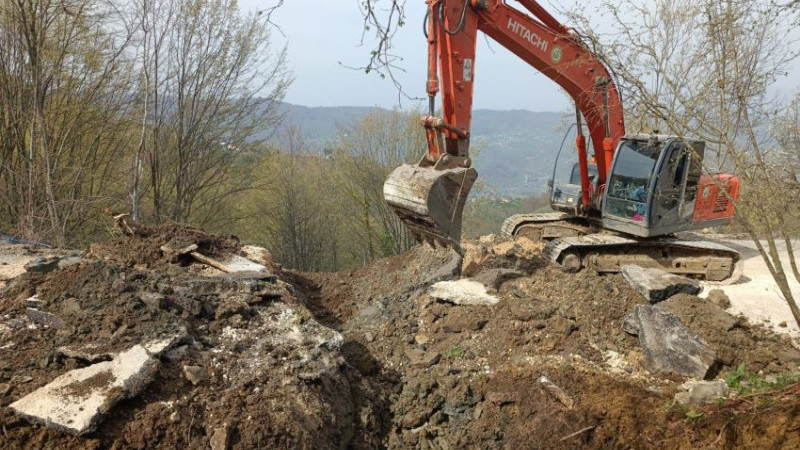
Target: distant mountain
517, 147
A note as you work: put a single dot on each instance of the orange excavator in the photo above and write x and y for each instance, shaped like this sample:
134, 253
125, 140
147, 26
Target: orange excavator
622, 205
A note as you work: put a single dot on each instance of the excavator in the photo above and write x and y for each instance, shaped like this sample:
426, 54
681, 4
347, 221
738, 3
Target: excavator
622, 205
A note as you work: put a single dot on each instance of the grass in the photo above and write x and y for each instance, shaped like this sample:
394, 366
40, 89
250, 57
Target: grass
455, 352
746, 382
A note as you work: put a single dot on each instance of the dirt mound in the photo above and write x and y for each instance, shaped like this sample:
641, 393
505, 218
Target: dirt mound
145, 249
367, 358
264, 373
470, 376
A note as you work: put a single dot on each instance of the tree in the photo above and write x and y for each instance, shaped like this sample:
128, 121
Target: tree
366, 153
210, 82
296, 209
63, 86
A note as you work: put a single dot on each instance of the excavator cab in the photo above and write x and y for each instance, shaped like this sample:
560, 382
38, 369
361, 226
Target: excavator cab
653, 188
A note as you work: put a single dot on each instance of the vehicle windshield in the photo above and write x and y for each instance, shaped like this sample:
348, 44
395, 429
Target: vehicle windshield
576, 174
635, 162
628, 185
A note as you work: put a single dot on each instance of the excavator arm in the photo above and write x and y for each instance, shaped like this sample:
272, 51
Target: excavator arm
439, 183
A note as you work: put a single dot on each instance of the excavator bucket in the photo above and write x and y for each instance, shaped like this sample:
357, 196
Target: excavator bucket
430, 201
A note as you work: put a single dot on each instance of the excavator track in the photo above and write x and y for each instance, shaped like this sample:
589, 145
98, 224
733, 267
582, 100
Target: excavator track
576, 244
607, 253
546, 226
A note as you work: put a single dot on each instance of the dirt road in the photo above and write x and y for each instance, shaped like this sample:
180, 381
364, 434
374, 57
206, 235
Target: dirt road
756, 295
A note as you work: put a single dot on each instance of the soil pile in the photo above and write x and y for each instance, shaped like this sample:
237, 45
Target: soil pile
255, 370
471, 376
367, 358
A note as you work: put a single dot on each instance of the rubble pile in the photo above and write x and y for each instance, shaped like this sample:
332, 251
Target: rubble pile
170, 337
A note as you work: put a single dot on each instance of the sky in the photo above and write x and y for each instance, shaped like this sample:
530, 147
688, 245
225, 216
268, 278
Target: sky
324, 38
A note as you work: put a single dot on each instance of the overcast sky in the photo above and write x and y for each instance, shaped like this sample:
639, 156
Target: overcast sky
323, 38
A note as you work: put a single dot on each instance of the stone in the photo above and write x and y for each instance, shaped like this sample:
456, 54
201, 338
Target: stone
5, 388
42, 264
669, 347
195, 374
556, 392
177, 353
426, 360
44, 318
462, 292
699, 393
494, 278
719, 298
69, 261
220, 438
71, 306
657, 285
783, 324
76, 401
34, 302
447, 271
630, 325
153, 300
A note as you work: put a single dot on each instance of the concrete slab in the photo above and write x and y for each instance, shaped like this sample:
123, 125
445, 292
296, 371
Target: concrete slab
462, 292
657, 285
76, 401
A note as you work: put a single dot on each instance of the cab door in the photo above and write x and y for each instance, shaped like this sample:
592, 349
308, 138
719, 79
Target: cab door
669, 186
676, 187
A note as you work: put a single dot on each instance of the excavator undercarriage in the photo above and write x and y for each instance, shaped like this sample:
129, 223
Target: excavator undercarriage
577, 244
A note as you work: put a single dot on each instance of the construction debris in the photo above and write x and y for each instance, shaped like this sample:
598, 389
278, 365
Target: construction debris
462, 292
668, 346
262, 357
657, 285
76, 401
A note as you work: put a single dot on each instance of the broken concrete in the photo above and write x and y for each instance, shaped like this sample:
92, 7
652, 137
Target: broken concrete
84, 353
462, 292
657, 285
77, 400
42, 264
195, 374
699, 393
44, 318
669, 347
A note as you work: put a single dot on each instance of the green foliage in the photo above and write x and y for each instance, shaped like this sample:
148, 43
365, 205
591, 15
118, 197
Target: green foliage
746, 382
694, 416
455, 352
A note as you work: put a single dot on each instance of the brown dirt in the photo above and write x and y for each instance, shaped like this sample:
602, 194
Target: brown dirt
366, 359
145, 250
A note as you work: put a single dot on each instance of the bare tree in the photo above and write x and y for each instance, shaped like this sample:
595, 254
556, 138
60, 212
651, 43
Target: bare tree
63, 80
210, 82
366, 153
